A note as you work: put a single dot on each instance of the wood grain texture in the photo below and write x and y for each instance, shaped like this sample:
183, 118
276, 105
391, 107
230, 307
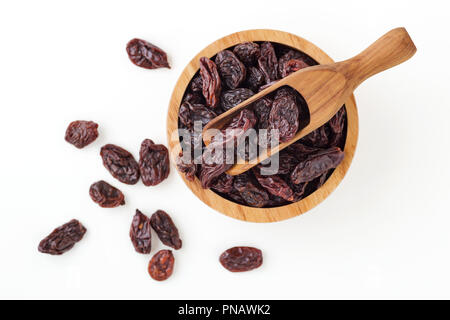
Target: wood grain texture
227, 207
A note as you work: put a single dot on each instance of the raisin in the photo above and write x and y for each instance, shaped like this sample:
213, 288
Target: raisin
63, 238
154, 163
146, 55
300, 150
247, 52
291, 66
268, 62
299, 190
275, 185
284, 116
212, 84
255, 78
223, 183
160, 267
140, 233
209, 172
120, 163
106, 195
189, 169
317, 138
197, 84
262, 108
250, 192
239, 259
190, 113
231, 70
282, 162
194, 98
231, 98
286, 63
165, 229
81, 133
316, 165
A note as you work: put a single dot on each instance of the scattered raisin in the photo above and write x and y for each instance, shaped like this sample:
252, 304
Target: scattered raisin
106, 195
140, 233
81, 133
160, 267
63, 238
239, 259
153, 163
146, 55
120, 163
165, 229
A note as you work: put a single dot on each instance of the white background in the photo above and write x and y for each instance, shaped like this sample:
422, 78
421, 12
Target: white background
384, 233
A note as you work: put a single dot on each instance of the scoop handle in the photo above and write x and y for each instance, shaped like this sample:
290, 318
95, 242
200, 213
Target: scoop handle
388, 51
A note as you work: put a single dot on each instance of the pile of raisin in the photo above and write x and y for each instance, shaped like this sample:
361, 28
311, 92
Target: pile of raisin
161, 265
231, 77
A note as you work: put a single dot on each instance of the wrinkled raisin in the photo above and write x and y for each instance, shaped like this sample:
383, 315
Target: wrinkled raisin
140, 233
268, 62
239, 259
146, 55
63, 238
231, 98
106, 195
161, 265
247, 52
212, 85
120, 163
165, 229
81, 133
317, 164
231, 70
153, 163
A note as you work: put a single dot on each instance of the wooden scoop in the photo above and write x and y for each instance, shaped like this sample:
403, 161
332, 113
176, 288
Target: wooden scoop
325, 88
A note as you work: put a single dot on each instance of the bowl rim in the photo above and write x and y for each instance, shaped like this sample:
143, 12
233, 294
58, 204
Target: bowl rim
228, 207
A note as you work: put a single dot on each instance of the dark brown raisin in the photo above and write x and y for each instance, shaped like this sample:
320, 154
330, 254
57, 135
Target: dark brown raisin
188, 168
146, 55
284, 116
63, 238
190, 113
268, 62
239, 259
275, 185
81, 133
247, 52
120, 163
165, 229
231, 98
293, 65
161, 265
231, 70
255, 79
284, 64
140, 233
105, 195
223, 183
317, 164
197, 83
250, 192
212, 85
154, 163
262, 108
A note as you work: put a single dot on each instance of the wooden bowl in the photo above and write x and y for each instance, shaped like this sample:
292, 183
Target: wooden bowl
233, 209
